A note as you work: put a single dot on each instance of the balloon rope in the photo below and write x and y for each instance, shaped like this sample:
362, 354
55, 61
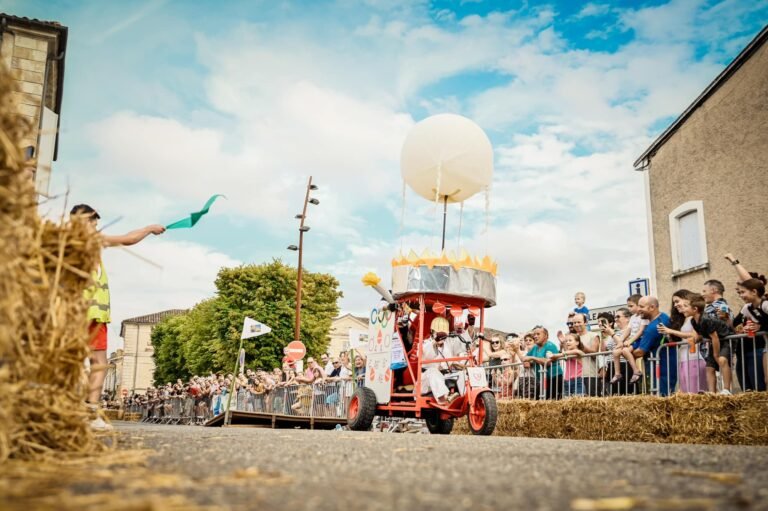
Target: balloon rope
402, 219
437, 197
461, 218
487, 214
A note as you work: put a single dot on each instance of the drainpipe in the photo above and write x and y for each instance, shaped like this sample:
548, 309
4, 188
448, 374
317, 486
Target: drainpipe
136, 363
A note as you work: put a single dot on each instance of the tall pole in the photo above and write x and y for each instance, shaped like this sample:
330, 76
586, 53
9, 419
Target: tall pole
227, 413
445, 216
297, 325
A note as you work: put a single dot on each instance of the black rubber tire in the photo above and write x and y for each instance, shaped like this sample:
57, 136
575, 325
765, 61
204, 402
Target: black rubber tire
438, 426
366, 410
491, 415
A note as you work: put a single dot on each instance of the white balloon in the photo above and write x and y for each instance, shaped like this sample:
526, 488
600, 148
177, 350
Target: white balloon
447, 155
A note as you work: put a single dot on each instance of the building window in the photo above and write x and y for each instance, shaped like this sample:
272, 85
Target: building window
688, 237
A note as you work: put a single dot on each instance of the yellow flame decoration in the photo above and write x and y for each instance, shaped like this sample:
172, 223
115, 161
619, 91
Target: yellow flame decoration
430, 260
371, 279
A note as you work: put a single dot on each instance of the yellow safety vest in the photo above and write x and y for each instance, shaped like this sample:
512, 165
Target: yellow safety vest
98, 296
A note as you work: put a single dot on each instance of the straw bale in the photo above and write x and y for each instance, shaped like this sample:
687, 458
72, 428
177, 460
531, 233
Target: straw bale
750, 420
682, 418
44, 269
48, 452
701, 419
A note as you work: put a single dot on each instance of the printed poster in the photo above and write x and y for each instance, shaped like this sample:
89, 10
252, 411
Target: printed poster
378, 374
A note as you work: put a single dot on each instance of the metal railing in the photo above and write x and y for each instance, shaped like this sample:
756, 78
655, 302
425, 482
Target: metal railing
740, 366
327, 399
673, 367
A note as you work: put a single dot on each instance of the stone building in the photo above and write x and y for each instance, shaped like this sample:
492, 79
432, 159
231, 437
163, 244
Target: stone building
138, 366
34, 51
339, 334
112, 382
706, 181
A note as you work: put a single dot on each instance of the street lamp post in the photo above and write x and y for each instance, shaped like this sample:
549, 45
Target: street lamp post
302, 229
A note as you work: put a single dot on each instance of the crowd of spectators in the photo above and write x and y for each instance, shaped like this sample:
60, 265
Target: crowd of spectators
209, 395
640, 348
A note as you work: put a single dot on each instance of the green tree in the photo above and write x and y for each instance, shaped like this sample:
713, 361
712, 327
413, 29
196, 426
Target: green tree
267, 293
168, 342
200, 334
207, 337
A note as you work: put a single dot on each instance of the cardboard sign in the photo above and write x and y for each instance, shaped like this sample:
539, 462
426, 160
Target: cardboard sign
358, 338
477, 377
378, 374
398, 353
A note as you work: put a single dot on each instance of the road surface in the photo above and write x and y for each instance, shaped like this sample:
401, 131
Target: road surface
340, 470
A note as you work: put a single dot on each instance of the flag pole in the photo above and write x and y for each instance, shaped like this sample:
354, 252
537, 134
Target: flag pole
228, 414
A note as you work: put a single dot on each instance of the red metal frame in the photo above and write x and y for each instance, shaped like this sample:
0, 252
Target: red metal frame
460, 406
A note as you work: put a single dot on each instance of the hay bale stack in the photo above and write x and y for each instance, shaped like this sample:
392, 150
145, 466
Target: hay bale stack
682, 418
750, 419
701, 418
44, 269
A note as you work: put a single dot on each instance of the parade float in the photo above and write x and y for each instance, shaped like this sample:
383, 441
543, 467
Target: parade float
424, 345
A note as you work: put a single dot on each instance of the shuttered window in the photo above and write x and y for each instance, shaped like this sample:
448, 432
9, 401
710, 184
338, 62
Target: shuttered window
688, 236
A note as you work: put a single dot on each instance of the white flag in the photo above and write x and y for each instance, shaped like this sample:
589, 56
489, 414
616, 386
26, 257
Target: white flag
252, 328
358, 338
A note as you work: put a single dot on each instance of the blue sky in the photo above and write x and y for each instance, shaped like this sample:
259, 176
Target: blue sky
168, 102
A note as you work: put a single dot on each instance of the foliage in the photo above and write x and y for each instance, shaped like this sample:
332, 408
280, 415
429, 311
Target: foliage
170, 362
207, 337
199, 333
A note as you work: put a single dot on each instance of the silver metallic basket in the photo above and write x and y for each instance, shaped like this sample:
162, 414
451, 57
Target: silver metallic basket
465, 282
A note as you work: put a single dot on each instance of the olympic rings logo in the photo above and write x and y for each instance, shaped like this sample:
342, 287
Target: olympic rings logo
381, 316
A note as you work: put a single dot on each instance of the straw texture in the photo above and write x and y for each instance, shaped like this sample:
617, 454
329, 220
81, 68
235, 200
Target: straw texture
44, 268
683, 418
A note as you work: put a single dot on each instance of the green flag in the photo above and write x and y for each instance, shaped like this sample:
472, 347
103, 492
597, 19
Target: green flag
193, 218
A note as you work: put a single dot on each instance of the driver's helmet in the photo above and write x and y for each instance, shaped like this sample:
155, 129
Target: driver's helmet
440, 324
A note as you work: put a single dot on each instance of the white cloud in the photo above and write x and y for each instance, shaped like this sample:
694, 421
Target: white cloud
137, 288
592, 9
560, 223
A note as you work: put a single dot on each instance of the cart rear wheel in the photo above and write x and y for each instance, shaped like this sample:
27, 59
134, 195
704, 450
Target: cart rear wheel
361, 410
438, 426
483, 414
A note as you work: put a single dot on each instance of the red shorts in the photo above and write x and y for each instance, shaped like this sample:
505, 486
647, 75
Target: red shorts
98, 333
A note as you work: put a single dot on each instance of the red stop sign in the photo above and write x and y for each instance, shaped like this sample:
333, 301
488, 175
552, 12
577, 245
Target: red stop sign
295, 350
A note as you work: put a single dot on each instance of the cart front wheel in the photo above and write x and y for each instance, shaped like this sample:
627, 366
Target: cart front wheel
362, 408
483, 414
438, 426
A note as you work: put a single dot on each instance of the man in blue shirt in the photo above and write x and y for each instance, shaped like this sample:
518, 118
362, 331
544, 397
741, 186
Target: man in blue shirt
648, 344
540, 357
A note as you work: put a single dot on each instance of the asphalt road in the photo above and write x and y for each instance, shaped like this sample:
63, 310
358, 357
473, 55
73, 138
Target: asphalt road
340, 470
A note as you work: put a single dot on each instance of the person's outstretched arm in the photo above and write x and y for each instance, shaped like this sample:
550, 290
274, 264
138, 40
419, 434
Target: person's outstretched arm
740, 270
132, 237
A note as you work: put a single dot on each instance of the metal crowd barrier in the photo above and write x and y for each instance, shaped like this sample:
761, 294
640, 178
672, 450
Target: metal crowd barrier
672, 368
743, 366
319, 400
